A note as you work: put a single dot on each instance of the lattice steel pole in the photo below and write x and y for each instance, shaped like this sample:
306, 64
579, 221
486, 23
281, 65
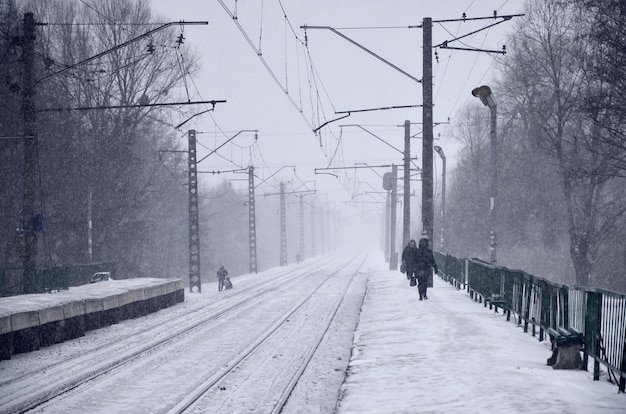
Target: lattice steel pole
195, 281
302, 227
283, 227
322, 232
313, 252
252, 220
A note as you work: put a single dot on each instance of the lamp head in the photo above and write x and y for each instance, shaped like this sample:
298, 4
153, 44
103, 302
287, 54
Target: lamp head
484, 94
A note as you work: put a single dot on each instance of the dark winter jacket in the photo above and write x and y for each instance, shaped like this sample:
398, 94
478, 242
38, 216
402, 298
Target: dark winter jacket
221, 273
409, 255
419, 258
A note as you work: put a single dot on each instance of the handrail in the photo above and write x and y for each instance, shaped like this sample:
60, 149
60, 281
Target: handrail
539, 303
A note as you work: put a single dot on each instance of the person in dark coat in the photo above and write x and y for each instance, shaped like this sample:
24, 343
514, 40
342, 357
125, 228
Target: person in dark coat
409, 260
227, 283
221, 275
425, 263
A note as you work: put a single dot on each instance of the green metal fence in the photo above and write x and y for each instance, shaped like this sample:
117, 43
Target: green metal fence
540, 304
48, 279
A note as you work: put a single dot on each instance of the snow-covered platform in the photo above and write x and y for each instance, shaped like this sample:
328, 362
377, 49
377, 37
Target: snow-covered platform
449, 354
28, 322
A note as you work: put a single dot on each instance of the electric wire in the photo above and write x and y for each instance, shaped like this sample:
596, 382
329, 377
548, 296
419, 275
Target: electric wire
299, 74
263, 61
261, 27
183, 72
467, 78
286, 67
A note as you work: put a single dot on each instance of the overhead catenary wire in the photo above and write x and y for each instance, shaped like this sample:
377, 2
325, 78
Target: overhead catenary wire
265, 63
462, 91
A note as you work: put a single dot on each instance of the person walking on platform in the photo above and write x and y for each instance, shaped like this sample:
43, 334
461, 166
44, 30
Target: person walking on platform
409, 261
221, 275
425, 263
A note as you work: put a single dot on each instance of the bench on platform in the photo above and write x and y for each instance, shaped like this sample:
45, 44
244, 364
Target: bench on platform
566, 347
498, 301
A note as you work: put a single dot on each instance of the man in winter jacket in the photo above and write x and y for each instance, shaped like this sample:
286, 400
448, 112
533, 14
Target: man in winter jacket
221, 275
421, 262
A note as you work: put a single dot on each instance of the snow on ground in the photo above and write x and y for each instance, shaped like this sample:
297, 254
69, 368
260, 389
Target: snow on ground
444, 355
449, 354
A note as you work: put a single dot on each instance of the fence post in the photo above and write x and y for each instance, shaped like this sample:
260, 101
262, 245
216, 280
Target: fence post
565, 291
622, 378
593, 318
529, 296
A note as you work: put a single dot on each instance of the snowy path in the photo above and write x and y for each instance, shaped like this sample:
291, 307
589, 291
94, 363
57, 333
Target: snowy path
449, 355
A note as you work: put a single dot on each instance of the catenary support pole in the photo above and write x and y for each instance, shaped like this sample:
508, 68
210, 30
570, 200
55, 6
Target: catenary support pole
387, 226
313, 252
322, 230
393, 259
283, 227
427, 141
252, 220
195, 282
301, 250
406, 222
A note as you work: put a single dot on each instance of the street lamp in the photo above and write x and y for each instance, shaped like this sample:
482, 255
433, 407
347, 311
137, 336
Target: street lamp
485, 96
439, 151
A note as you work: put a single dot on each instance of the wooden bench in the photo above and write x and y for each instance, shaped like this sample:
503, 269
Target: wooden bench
565, 337
566, 347
498, 301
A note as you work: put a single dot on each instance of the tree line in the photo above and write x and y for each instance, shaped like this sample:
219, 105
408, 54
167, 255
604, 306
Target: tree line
104, 165
562, 149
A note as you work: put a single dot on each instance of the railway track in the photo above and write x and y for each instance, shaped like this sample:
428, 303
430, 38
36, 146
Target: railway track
195, 313
244, 368
46, 389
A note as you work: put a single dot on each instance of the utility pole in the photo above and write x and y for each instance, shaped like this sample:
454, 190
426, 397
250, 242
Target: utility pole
27, 225
301, 250
393, 259
427, 99
427, 119
194, 225
252, 220
406, 224
283, 227
313, 252
387, 227
322, 230
283, 221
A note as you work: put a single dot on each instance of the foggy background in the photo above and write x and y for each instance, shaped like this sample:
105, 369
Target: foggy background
559, 91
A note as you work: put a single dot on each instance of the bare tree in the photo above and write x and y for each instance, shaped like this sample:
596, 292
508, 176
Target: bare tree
106, 161
605, 63
468, 204
546, 79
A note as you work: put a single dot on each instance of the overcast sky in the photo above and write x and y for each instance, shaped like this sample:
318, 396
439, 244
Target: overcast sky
345, 79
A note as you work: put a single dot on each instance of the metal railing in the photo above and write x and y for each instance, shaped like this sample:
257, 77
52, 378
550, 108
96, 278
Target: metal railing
541, 304
48, 279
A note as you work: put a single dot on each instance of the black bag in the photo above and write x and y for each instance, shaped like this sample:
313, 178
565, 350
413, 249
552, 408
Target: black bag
413, 281
402, 268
